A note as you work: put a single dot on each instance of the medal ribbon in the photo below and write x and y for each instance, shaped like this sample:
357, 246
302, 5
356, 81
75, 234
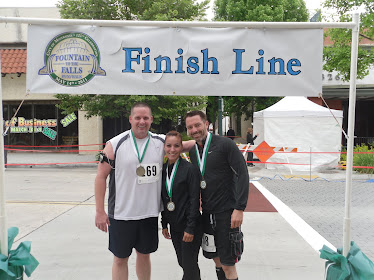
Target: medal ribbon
202, 161
136, 147
169, 183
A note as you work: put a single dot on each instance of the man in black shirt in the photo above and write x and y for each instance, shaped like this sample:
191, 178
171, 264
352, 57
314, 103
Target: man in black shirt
230, 133
225, 186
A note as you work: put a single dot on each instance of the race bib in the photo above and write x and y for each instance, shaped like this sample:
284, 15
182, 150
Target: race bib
151, 173
208, 244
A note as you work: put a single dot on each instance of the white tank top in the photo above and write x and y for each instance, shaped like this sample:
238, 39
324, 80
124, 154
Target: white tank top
132, 197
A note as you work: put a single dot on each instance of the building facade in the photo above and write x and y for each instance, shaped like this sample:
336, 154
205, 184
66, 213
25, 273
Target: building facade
34, 121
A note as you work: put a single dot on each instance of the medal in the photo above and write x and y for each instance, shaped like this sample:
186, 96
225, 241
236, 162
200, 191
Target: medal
203, 184
202, 160
169, 184
170, 206
140, 171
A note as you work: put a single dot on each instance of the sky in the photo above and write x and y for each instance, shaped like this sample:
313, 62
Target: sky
310, 4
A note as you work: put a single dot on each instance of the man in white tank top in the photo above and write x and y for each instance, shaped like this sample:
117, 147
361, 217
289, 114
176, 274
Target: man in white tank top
133, 159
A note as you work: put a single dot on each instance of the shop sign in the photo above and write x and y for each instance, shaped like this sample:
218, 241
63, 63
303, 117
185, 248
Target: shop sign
50, 133
23, 125
68, 119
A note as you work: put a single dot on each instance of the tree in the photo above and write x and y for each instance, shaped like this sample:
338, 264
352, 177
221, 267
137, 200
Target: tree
112, 106
212, 110
337, 56
260, 10
246, 104
133, 10
163, 107
256, 10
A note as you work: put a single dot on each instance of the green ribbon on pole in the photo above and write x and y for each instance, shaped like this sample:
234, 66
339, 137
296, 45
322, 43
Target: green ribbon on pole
356, 266
342, 269
18, 260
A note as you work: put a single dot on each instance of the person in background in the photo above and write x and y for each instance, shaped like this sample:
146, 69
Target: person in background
180, 194
250, 140
230, 133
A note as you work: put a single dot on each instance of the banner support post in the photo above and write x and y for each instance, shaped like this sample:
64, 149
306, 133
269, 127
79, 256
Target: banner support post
350, 142
310, 165
3, 224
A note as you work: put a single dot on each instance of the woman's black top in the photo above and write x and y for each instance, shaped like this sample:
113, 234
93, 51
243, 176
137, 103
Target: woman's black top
186, 197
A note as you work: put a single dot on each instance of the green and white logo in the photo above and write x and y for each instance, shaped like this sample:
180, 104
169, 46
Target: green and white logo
72, 59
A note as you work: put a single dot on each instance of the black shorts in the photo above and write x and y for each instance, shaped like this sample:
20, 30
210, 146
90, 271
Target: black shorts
139, 234
219, 225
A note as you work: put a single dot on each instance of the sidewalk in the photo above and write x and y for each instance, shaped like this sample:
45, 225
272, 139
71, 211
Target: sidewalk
50, 159
54, 209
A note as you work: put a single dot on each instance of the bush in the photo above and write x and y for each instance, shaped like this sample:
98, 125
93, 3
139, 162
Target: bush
363, 159
185, 137
343, 157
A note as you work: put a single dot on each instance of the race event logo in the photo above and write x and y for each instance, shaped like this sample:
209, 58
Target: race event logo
72, 59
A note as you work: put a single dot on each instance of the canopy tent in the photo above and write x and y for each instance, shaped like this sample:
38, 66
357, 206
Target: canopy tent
295, 121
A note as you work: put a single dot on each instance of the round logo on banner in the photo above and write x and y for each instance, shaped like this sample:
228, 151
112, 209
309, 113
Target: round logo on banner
72, 59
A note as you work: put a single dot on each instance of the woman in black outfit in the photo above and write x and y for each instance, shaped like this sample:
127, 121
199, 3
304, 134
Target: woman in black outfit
250, 140
181, 198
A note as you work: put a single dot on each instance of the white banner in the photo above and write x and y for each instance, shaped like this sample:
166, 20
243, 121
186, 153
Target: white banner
174, 61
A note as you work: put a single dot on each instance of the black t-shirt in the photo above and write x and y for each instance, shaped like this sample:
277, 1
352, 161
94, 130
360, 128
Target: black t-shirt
226, 176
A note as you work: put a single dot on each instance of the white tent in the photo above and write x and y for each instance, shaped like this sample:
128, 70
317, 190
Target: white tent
298, 122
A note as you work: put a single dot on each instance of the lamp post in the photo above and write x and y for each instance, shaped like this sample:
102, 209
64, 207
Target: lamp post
220, 109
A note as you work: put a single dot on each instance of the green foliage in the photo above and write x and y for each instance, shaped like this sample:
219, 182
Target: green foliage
185, 137
132, 10
111, 106
243, 104
338, 55
260, 10
212, 109
175, 10
363, 159
343, 155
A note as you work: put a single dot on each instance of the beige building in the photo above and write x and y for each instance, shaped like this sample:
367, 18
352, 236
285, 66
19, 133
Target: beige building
38, 122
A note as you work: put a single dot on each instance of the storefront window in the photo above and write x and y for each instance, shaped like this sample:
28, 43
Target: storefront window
45, 116
39, 125
68, 130
20, 131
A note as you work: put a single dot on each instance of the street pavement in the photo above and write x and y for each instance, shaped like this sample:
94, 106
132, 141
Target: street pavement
321, 204
53, 206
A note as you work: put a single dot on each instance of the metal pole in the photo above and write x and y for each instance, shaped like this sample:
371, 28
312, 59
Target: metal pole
3, 225
218, 24
351, 125
220, 100
310, 165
